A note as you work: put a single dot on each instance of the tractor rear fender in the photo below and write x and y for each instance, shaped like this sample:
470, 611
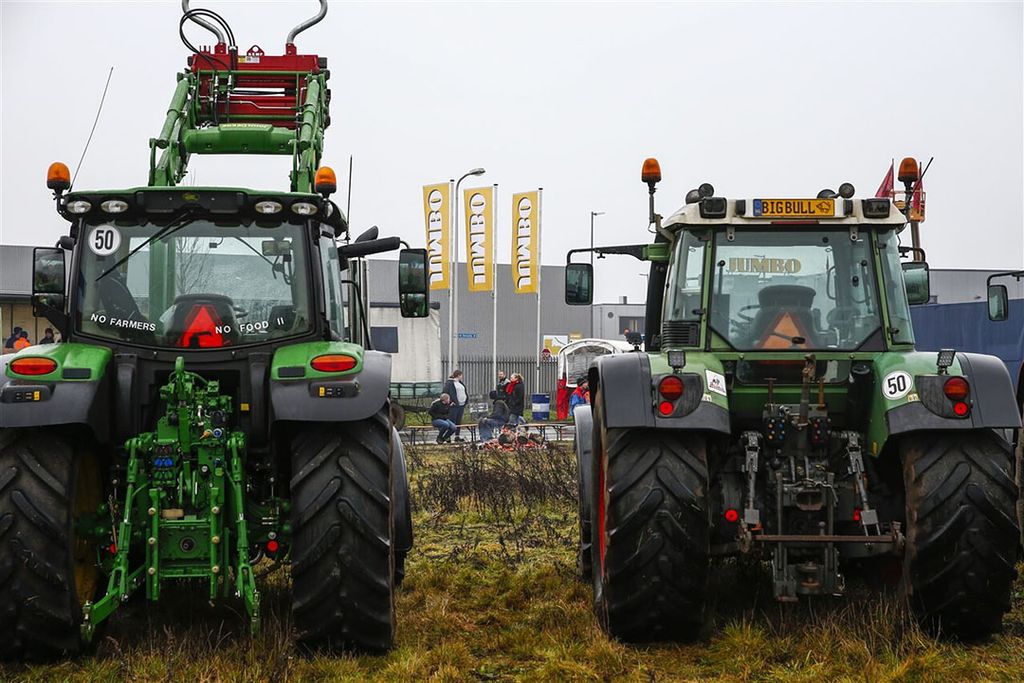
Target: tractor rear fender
400, 496
629, 393
78, 391
992, 400
300, 394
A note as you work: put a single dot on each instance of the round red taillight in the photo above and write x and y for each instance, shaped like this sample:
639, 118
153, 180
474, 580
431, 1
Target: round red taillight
33, 366
272, 546
670, 388
333, 362
961, 409
856, 514
732, 515
956, 388
665, 408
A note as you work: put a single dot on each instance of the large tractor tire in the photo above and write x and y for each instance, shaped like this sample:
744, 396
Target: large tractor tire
342, 527
962, 531
583, 445
47, 479
651, 532
1018, 479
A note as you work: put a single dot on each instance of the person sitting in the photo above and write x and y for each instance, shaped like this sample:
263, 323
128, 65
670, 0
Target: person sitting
22, 342
496, 420
438, 412
581, 396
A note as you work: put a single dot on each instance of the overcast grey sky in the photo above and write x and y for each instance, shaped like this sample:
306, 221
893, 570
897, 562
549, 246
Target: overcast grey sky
759, 99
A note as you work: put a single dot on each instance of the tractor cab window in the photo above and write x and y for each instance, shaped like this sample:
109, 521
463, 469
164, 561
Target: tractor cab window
783, 290
686, 279
198, 285
334, 299
895, 290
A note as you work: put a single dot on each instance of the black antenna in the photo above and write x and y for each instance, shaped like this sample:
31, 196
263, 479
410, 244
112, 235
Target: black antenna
97, 120
348, 202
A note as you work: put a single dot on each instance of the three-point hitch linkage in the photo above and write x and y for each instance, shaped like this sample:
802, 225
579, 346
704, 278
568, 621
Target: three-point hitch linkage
183, 513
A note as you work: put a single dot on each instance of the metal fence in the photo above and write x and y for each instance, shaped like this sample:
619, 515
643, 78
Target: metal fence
479, 377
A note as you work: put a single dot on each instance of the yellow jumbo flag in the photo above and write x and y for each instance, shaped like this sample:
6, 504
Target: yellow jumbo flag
526, 242
437, 216
479, 238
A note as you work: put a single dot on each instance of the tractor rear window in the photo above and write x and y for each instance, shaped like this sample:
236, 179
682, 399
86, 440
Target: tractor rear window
794, 290
197, 285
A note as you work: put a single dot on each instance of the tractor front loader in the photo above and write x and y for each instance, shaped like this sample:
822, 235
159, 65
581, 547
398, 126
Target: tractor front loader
215, 402
780, 412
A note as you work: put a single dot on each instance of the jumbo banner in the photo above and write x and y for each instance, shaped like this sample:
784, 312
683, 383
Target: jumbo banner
525, 238
479, 204
437, 216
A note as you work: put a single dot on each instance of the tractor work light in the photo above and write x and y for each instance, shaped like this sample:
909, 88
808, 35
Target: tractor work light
676, 359
846, 190
712, 207
875, 207
909, 172
651, 172
325, 183
268, 206
114, 206
33, 366
333, 362
304, 208
58, 177
945, 359
79, 206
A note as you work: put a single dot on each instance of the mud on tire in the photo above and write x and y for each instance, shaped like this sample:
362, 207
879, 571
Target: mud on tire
40, 609
961, 531
342, 555
651, 584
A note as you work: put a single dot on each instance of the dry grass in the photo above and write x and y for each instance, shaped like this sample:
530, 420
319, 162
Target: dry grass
491, 594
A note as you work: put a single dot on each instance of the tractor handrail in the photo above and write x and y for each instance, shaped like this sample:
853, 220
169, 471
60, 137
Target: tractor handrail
203, 22
306, 24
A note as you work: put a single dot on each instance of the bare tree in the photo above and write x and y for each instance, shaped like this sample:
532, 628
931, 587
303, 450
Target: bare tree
193, 265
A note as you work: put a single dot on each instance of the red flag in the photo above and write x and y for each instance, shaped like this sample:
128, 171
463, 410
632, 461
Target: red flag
917, 201
886, 188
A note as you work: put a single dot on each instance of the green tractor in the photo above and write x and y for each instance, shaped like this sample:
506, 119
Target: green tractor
780, 412
215, 401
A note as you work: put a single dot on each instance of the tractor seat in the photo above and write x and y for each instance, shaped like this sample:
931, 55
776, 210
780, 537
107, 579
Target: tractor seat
785, 312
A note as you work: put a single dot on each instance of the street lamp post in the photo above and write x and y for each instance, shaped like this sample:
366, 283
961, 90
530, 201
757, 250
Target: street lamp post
592, 215
453, 350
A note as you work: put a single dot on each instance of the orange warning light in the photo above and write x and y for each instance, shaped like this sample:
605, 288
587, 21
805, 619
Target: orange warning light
909, 172
651, 172
326, 183
58, 177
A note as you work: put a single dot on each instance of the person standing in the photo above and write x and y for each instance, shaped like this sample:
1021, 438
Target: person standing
496, 420
460, 397
48, 336
581, 396
515, 397
439, 417
502, 381
22, 341
9, 342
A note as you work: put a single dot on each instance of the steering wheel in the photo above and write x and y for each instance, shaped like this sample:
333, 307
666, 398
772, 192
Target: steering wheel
749, 307
116, 297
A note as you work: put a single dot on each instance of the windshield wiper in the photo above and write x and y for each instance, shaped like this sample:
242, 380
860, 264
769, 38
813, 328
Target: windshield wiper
175, 225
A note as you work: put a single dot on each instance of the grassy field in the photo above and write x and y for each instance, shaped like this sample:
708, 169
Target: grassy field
491, 594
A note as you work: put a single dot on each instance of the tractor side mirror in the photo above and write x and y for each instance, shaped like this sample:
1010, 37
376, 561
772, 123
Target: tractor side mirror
48, 286
47, 271
998, 303
276, 247
413, 287
916, 279
579, 284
